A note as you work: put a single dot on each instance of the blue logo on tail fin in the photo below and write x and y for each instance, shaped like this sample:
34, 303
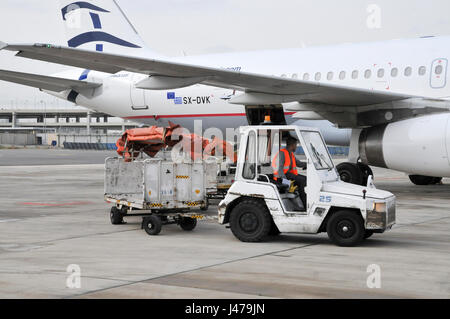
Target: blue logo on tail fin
80, 5
96, 20
98, 36
93, 36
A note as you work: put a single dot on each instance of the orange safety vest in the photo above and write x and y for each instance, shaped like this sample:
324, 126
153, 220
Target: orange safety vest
287, 164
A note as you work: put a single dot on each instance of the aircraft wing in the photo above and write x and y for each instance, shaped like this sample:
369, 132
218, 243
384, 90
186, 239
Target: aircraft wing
304, 91
48, 83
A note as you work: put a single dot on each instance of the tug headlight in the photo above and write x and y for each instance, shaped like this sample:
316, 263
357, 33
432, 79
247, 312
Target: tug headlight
379, 207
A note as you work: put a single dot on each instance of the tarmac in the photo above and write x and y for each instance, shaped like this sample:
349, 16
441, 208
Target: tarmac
53, 215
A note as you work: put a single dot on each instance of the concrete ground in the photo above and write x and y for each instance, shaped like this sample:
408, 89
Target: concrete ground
33, 156
54, 216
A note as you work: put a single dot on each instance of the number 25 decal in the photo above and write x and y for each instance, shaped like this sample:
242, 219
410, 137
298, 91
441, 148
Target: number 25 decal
325, 199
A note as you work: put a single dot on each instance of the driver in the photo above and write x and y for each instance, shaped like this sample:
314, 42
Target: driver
286, 159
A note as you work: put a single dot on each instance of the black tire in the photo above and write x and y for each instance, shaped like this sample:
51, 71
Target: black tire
274, 231
152, 225
250, 221
116, 216
422, 180
124, 210
350, 173
346, 228
366, 172
188, 224
368, 234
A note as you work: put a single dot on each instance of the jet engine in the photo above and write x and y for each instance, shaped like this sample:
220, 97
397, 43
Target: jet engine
418, 146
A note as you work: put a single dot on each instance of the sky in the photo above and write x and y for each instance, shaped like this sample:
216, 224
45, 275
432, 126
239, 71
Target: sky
193, 27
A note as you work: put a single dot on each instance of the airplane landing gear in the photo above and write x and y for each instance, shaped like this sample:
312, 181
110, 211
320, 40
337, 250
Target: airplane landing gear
354, 173
425, 180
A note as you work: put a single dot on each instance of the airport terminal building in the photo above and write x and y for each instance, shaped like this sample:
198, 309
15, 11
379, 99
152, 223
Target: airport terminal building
53, 122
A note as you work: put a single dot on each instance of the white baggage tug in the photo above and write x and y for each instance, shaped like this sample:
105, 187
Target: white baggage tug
256, 206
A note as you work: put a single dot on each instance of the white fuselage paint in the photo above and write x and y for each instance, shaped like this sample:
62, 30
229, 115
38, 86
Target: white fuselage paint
400, 66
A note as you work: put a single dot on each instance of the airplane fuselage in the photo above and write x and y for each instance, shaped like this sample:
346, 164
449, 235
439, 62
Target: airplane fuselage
383, 66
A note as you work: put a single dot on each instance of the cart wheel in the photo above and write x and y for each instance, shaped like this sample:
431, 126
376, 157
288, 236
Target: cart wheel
188, 224
116, 216
152, 225
346, 228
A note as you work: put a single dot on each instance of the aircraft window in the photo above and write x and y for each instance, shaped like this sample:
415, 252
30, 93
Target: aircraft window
306, 76
394, 72
438, 70
355, 74
422, 70
318, 76
342, 75
367, 74
408, 71
283, 75
380, 73
330, 76
295, 76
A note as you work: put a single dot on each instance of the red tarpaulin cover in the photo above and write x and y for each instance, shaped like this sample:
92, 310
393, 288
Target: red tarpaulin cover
153, 139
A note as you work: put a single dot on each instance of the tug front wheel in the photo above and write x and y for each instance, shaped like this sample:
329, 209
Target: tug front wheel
368, 234
346, 228
250, 221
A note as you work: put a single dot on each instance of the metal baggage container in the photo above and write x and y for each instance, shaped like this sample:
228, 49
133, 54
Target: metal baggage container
160, 184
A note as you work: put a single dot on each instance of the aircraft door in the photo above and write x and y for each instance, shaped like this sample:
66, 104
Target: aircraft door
137, 96
439, 73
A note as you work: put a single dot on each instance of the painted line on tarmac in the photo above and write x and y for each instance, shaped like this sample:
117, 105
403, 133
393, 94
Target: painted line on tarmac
190, 270
56, 204
8, 220
420, 223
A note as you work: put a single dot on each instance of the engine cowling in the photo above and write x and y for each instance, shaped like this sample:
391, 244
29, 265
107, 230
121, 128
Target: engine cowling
417, 146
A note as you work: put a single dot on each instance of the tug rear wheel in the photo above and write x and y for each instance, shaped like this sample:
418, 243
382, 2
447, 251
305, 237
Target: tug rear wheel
274, 231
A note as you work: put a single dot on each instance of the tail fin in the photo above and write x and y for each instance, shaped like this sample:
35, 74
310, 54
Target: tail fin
101, 25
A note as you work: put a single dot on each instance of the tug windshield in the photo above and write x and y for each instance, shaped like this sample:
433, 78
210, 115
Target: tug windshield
318, 150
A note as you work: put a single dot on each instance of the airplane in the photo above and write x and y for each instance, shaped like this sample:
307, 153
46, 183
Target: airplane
389, 100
